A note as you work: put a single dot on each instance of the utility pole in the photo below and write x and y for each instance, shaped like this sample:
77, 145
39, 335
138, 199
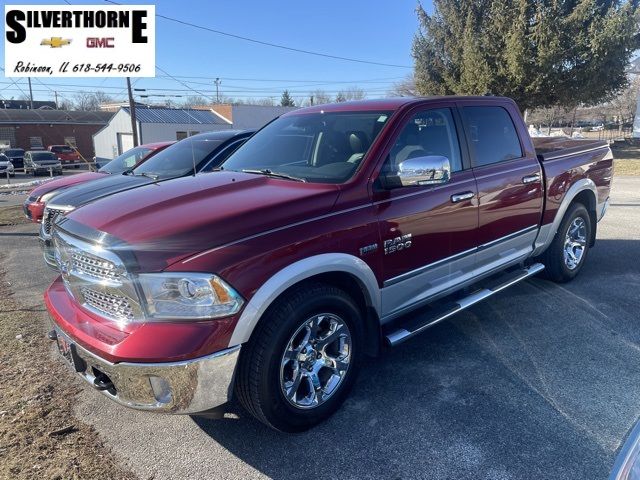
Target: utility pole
30, 94
132, 113
217, 82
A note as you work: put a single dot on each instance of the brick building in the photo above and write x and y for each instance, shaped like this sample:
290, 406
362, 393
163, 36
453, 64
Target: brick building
37, 129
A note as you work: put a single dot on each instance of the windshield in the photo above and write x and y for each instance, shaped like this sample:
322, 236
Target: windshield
16, 152
178, 159
37, 156
127, 160
316, 147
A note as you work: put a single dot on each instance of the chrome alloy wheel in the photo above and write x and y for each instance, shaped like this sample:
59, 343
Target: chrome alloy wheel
575, 242
315, 361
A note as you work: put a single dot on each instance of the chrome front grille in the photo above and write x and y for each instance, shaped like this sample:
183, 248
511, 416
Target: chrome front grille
92, 266
96, 278
114, 306
49, 216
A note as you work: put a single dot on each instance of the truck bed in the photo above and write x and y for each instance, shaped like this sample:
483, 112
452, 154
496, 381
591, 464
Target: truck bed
551, 148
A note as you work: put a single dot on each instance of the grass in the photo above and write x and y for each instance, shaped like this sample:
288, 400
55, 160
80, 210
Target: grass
626, 159
39, 436
12, 216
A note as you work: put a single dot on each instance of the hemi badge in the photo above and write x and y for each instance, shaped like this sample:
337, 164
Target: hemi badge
368, 249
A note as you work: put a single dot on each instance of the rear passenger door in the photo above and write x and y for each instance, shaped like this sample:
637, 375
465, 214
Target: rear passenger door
427, 232
509, 179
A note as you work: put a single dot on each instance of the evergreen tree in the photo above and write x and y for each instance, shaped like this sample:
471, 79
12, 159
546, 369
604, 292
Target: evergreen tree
286, 100
539, 52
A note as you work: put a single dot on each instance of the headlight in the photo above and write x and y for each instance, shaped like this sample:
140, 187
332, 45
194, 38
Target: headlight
188, 296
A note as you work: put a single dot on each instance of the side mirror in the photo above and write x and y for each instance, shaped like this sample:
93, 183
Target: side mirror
428, 170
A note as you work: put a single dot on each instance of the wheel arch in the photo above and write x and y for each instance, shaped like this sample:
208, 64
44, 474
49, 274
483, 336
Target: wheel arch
583, 191
342, 270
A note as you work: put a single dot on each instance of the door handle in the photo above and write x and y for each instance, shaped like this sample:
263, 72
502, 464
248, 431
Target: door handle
531, 178
460, 197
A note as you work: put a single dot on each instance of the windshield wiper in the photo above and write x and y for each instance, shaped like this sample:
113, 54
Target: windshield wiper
271, 173
152, 176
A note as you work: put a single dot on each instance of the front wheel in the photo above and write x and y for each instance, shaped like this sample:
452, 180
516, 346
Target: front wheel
567, 253
302, 359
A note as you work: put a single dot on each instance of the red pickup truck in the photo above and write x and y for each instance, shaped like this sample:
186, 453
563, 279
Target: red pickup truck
335, 231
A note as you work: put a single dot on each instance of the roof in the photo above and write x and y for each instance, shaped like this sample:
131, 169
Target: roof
54, 117
176, 115
388, 104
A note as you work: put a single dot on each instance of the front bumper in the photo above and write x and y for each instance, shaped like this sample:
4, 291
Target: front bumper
187, 387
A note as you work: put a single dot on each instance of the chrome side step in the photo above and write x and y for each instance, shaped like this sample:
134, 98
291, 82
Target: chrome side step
418, 325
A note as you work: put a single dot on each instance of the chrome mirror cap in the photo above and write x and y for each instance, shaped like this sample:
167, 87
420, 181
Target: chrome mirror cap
427, 170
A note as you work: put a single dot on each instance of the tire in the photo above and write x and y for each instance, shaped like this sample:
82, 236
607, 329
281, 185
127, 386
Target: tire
575, 227
264, 372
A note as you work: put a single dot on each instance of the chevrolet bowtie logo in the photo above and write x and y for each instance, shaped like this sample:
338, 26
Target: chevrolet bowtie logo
55, 42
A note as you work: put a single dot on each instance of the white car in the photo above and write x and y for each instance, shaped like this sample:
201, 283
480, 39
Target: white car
6, 166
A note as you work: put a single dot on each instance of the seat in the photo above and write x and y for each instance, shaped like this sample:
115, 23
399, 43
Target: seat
407, 146
359, 144
334, 148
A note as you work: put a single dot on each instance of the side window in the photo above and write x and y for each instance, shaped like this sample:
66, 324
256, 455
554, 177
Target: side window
222, 156
492, 135
432, 132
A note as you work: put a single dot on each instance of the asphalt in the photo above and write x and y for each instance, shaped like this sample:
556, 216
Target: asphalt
541, 381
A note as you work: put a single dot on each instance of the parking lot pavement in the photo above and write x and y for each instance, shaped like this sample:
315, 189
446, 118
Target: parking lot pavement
542, 381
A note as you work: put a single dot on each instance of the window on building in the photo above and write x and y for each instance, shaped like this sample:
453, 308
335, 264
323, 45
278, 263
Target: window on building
70, 141
35, 143
193, 132
181, 135
492, 135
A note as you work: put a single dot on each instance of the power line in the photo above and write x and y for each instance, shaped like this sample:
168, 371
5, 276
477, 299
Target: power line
274, 45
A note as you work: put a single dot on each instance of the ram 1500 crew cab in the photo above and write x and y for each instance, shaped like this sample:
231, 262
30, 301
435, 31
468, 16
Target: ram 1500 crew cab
313, 246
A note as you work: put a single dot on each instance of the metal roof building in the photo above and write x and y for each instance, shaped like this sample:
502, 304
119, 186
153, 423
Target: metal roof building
154, 125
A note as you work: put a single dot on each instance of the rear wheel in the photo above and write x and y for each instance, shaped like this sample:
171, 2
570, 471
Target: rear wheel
302, 360
567, 253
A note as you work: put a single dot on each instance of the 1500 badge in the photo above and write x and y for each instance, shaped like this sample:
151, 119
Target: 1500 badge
397, 244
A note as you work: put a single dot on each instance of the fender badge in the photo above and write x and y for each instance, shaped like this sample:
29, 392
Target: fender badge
368, 249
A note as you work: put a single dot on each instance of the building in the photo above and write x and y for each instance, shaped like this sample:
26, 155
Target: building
25, 104
37, 129
244, 117
115, 106
154, 125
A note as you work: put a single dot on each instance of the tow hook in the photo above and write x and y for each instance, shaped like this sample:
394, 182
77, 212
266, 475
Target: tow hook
103, 382
52, 335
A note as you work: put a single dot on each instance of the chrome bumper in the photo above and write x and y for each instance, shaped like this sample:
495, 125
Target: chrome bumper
188, 387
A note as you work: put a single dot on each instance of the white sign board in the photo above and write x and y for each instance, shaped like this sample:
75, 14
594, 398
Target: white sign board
80, 40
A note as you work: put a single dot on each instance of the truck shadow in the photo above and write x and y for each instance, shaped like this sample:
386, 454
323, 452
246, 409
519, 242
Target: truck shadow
538, 382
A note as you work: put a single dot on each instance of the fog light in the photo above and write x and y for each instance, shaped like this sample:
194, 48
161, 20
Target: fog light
161, 389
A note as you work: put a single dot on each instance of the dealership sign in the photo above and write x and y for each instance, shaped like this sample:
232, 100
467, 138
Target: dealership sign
80, 41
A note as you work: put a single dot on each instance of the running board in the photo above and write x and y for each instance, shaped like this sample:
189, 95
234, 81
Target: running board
418, 325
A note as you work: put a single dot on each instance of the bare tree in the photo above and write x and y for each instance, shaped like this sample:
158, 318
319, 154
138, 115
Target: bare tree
320, 97
624, 105
195, 101
90, 101
404, 88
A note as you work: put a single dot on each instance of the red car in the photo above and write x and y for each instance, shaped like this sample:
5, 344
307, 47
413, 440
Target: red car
334, 232
38, 197
67, 155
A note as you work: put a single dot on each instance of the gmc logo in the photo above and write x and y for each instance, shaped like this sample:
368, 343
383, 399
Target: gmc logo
95, 42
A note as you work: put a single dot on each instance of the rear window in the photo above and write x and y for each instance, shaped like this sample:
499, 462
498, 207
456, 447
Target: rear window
492, 135
14, 152
43, 156
127, 160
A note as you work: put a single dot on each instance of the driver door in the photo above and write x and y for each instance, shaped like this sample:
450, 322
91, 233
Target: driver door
428, 232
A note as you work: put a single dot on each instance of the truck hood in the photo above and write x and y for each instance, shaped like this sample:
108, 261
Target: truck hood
63, 182
169, 221
103, 186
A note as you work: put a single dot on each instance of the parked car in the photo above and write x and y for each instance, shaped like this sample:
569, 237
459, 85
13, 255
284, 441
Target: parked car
6, 167
37, 162
271, 279
66, 154
35, 203
198, 153
16, 155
